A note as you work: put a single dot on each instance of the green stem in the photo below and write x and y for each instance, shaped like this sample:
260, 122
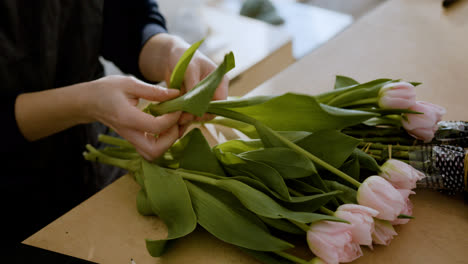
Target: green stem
391, 131
115, 141
399, 140
291, 257
326, 211
97, 156
373, 100
241, 117
196, 177
385, 146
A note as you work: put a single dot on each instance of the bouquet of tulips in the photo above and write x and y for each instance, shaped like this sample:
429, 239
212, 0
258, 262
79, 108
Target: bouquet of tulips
296, 172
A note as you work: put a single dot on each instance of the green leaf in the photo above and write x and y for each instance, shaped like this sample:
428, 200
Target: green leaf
197, 155
343, 81
366, 161
349, 194
262, 204
170, 200
351, 167
282, 225
286, 161
219, 213
143, 204
196, 101
177, 76
303, 187
331, 146
303, 113
326, 97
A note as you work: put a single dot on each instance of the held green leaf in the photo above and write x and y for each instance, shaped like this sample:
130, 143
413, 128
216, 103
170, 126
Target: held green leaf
170, 200
220, 214
196, 101
177, 76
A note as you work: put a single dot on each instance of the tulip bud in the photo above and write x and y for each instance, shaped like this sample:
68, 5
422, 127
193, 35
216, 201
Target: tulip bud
399, 95
400, 174
377, 193
332, 242
361, 219
407, 210
384, 232
423, 126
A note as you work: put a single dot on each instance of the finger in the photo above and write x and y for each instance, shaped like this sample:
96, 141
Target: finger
182, 129
152, 92
137, 139
206, 117
186, 118
136, 119
221, 92
149, 146
192, 78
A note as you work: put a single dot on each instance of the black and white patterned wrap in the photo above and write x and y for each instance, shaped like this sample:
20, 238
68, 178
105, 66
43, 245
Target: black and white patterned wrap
444, 166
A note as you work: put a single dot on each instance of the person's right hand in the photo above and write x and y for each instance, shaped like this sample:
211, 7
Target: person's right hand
113, 101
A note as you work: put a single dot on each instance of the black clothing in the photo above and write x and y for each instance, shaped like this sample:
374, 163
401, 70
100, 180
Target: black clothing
47, 44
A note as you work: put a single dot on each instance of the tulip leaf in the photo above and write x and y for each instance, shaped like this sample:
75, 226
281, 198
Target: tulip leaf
348, 194
283, 225
343, 81
286, 161
143, 204
366, 161
262, 204
257, 170
177, 76
331, 146
303, 113
351, 167
197, 155
220, 214
170, 200
303, 187
196, 101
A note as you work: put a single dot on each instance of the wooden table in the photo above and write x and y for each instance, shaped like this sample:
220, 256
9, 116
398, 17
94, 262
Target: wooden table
410, 39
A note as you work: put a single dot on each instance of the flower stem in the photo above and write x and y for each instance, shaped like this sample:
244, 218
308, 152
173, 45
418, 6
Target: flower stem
97, 156
291, 257
196, 177
115, 141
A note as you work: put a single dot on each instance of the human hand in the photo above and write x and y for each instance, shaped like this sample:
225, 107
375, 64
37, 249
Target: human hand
160, 55
113, 101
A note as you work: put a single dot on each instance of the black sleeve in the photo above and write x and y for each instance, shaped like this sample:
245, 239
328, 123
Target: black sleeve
127, 25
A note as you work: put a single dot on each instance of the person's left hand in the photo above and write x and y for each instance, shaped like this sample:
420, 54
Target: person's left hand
200, 66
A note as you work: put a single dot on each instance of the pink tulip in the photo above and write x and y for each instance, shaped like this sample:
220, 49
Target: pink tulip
377, 193
361, 219
332, 242
423, 126
399, 95
400, 174
384, 232
407, 210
